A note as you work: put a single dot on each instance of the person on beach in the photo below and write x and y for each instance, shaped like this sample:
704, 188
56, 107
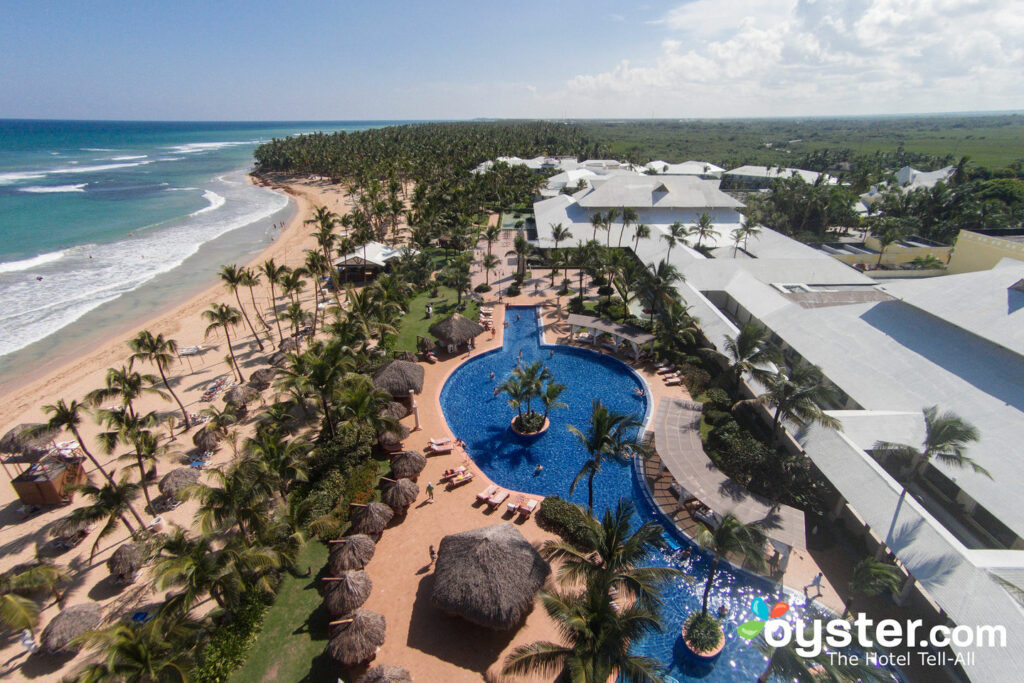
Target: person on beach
430, 492
433, 555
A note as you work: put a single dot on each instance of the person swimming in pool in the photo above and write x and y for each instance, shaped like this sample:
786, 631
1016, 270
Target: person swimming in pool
538, 470
639, 392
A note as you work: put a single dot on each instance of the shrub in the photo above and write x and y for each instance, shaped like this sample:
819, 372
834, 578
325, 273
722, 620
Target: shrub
559, 516
717, 399
324, 496
716, 417
350, 446
513, 290
361, 485
696, 379
575, 305
605, 290
703, 632
482, 288
529, 423
226, 649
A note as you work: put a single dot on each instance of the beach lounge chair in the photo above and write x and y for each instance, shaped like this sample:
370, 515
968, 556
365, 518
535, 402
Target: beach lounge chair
675, 381
486, 309
487, 493
514, 505
453, 473
668, 369
460, 479
499, 497
440, 442
527, 508
441, 449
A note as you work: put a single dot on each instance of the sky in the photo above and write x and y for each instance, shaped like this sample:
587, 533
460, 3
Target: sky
397, 60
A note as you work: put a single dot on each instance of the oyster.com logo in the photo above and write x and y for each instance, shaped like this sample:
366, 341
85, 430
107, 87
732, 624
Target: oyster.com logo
752, 629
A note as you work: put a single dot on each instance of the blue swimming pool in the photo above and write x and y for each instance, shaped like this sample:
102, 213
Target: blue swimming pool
481, 419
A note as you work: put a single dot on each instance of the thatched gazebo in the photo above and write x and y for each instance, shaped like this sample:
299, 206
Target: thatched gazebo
347, 592
392, 441
370, 519
241, 395
261, 379
356, 637
488, 576
206, 439
408, 465
290, 346
69, 624
395, 410
399, 377
176, 481
351, 552
400, 495
28, 439
124, 563
455, 330
386, 674
277, 359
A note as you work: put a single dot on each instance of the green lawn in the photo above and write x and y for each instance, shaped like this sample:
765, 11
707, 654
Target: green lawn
415, 322
294, 630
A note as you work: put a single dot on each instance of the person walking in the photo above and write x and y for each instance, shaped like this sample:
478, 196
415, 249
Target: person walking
433, 555
816, 584
430, 492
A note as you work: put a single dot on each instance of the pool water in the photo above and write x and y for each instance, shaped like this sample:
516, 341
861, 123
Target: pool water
481, 419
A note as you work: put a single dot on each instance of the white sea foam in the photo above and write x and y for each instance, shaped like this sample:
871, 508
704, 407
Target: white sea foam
179, 189
216, 201
29, 263
18, 176
96, 169
98, 149
46, 189
74, 284
129, 157
197, 147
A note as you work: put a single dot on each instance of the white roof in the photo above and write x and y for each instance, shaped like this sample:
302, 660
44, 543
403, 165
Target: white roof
685, 168
644, 191
773, 172
376, 253
910, 178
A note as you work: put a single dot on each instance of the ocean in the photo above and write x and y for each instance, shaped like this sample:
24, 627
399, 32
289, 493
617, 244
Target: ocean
102, 222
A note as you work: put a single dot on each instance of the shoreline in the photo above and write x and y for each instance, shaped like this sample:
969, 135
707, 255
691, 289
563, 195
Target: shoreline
25, 393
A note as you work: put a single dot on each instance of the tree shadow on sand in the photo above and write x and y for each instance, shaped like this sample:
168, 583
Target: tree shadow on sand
449, 638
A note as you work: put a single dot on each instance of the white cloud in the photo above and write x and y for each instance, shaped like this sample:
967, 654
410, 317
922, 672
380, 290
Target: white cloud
792, 57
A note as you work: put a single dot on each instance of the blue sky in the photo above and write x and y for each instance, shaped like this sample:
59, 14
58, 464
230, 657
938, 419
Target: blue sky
416, 60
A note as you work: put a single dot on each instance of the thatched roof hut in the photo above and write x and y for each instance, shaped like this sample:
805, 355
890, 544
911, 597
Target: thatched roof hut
408, 465
277, 359
351, 552
386, 674
400, 495
370, 519
176, 481
396, 410
488, 576
124, 563
69, 624
393, 440
357, 638
241, 395
290, 346
398, 377
206, 439
261, 379
455, 330
405, 355
347, 592
28, 439
424, 344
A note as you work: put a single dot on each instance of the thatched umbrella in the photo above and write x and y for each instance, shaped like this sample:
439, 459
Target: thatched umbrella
371, 519
351, 552
176, 481
408, 465
400, 495
398, 377
405, 355
241, 395
261, 379
206, 439
347, 592
424, 344
455, 330
290, 346
393, 440
386, 674
28, 439
277, 359
488, 576
69, 624
125, 562
395, 410
356, 637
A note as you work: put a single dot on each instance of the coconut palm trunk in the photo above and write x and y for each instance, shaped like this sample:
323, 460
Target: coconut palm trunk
708, 584
256, 310
184, 413
259, 342
273, 305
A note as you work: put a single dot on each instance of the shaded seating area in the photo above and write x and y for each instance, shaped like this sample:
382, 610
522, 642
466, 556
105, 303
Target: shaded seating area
706, 493
589, 329
455, 331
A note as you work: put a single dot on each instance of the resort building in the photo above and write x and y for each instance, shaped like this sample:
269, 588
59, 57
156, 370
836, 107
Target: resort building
871, 254
908, 179
703, 169
762, 177
983, 249
369, 259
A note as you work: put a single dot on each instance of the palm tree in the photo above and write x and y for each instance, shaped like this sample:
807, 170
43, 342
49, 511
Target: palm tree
293, 283
797, 394
64, 415
126, 385
236, 496
560, 233
318, 371
786, 664
597, 637
642, 233
677, 233
274, 274
522, 250
871, 577
285, 457
491, 234
609, 218
226, 317
611, 550
703, 228
361, 404
607, 438
629, 215
296, 316
147, 449
251, 278
549, 397
889, 235
18, 586
749, 351
160, 352
159, 650
109, 504
946, 438
233, 278
730, 537
747, 229
517, 393
489, 263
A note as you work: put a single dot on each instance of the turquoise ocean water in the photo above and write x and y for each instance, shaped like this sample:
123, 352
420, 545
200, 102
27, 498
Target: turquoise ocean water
104, 222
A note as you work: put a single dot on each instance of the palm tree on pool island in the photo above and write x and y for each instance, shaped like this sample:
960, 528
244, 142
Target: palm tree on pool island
609, 436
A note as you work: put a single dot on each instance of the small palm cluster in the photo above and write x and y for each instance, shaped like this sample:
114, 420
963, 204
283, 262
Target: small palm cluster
524, 386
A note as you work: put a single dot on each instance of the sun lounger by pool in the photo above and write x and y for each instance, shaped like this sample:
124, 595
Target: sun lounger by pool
441, 449
514, 505
668, 369
499, 497
440, 442
487, 493
675, 381
452, 474
527, 508
460, 479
